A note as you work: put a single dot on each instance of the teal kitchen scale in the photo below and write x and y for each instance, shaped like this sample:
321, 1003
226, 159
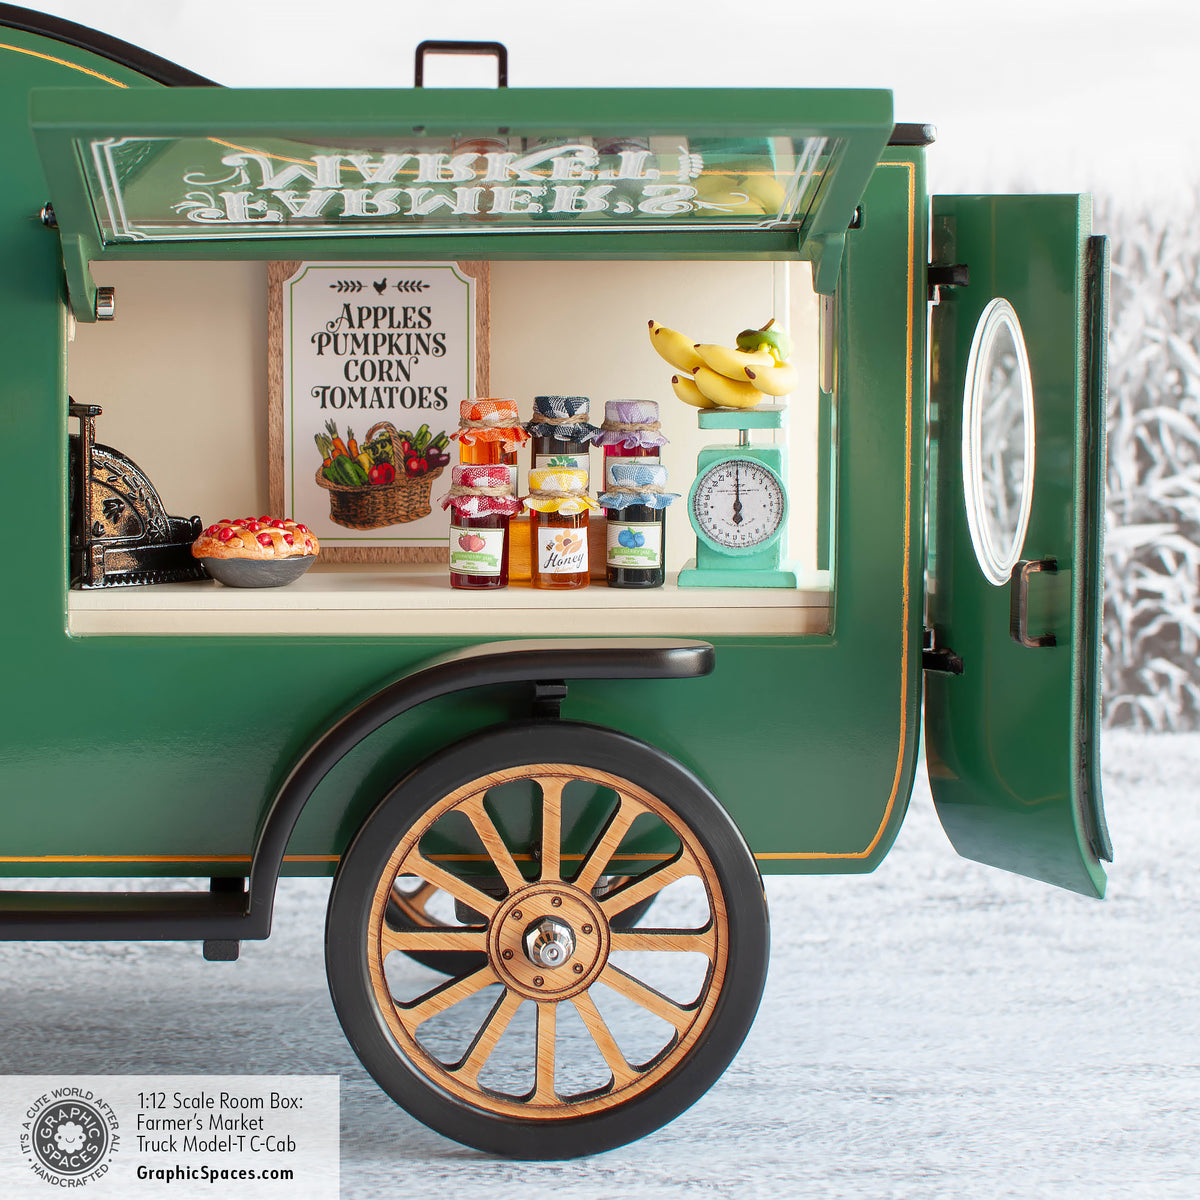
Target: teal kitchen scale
738, 505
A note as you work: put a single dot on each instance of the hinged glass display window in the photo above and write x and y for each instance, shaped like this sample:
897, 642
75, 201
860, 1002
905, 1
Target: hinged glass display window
172, 189
767, 172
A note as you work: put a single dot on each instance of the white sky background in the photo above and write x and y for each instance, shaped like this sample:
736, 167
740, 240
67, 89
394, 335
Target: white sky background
1045, 95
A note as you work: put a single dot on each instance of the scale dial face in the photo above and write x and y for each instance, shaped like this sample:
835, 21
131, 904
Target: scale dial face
738, 505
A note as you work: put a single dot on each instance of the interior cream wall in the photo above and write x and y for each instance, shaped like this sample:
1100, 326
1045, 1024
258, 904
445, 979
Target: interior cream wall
181, 373
580, 328
182, 377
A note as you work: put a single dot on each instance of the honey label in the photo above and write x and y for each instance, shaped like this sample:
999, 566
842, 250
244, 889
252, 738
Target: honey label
637, 546
562, 551
476, 551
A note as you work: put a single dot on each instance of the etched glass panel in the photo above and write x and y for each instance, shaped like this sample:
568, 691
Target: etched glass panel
192, 188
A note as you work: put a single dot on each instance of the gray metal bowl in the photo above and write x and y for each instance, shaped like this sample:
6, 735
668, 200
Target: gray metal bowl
251, 572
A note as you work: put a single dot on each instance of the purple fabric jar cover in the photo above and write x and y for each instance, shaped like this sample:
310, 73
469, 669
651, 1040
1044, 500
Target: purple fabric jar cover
630, 412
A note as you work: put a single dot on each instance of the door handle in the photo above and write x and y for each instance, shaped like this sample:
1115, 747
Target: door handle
496, 50
1018, 610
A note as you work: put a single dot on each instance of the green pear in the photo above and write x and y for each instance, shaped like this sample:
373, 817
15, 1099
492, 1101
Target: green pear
773, 340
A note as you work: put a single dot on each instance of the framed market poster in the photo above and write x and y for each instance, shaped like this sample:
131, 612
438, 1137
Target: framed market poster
367, 365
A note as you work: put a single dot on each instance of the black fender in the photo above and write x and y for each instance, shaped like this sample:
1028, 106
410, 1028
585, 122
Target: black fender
524, 661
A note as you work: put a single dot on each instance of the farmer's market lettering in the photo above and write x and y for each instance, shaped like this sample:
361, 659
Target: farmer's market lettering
569, 160
564, 179
240, 208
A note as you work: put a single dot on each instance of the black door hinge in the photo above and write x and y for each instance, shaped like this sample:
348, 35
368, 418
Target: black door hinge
939, 658
548, 696
955, 275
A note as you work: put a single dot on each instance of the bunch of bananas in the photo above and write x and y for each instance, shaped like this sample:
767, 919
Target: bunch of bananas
755, 191
738, 376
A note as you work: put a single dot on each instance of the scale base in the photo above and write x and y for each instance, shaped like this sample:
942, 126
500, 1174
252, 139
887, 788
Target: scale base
783, 576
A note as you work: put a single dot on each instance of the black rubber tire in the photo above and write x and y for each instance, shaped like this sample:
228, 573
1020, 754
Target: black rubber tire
516, 745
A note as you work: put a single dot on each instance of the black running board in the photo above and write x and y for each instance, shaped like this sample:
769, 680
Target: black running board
127, 916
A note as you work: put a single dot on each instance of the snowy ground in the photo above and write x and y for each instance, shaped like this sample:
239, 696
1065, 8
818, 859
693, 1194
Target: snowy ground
935, 1029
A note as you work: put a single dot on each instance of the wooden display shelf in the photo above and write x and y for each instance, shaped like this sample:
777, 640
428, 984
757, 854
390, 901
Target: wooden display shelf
415, 600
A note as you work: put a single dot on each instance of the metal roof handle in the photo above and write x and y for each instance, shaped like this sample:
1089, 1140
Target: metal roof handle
433, 47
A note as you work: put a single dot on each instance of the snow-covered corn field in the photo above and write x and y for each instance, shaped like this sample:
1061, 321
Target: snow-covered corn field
1152, 568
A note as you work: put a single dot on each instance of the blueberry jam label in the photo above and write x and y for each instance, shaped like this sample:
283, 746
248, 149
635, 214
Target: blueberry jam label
476, 551
562, 551
637, 546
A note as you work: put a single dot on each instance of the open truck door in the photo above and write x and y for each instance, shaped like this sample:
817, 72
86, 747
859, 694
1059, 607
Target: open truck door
1016, 510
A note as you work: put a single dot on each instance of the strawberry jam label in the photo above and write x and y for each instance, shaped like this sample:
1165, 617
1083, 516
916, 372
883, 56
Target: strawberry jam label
476, 551
634, 545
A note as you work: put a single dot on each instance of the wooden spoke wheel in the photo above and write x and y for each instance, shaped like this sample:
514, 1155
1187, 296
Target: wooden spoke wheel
409, 908
562, 1030
412, 899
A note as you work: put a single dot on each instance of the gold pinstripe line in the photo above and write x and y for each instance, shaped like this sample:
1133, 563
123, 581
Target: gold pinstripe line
899, 772
304, 162
62, 62
155, 858
245, 858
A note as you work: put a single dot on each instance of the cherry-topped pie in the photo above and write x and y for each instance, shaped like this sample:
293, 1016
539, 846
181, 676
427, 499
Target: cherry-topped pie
262, 538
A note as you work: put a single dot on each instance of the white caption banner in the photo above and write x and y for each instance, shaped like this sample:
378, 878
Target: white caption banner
178, 1136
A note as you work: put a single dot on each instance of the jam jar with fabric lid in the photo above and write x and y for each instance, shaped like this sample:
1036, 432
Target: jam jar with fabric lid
482, 501
489, 432
561, 433
636, 502
630, 430
558, 506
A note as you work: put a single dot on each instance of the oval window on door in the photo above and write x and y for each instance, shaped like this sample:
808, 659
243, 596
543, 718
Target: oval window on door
998, 440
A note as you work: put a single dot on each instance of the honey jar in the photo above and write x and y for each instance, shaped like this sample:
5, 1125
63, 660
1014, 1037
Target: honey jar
558, 506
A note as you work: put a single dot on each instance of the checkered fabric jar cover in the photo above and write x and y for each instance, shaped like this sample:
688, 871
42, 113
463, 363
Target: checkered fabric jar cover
562, 408
478, 505
495, 421
558, 490
619, 414
636, 476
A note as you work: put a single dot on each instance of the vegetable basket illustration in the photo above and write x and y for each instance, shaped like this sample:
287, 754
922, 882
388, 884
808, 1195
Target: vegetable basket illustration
385, 481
